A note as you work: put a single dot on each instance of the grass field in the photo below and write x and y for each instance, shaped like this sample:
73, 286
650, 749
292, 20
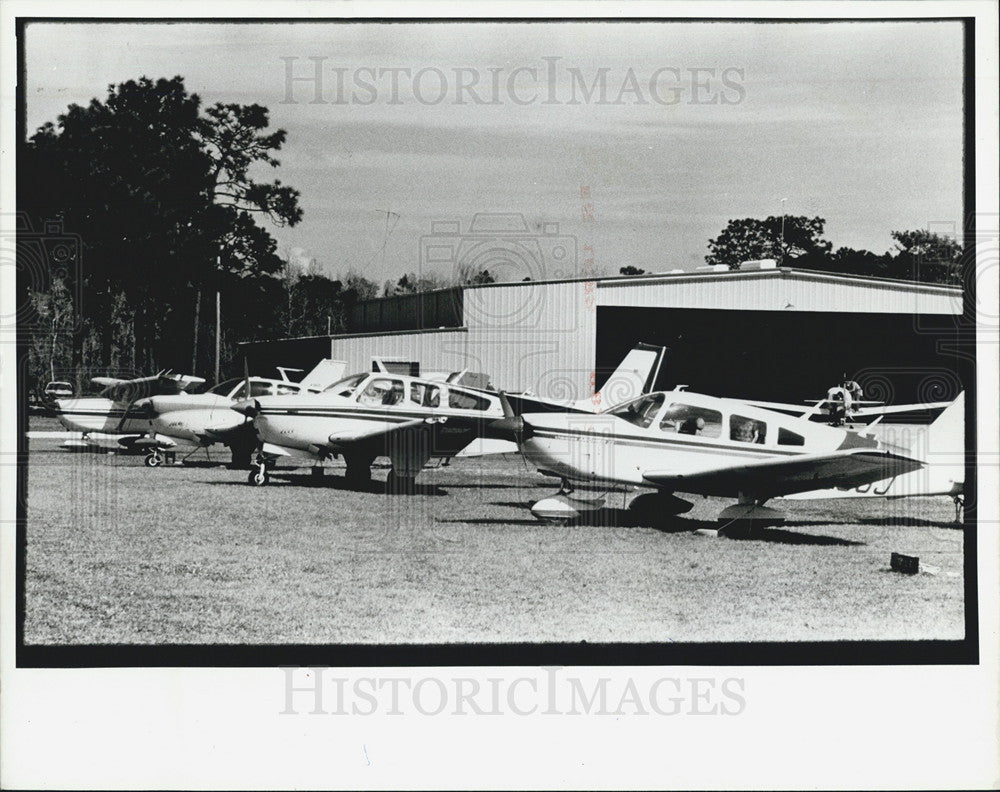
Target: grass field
118, 553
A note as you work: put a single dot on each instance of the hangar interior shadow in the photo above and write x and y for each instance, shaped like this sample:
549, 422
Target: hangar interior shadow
791, 356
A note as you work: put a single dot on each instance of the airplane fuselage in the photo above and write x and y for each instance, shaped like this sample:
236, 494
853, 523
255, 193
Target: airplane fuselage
679, 433
97, 414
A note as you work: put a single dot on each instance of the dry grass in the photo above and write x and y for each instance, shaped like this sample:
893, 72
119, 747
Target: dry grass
118, 553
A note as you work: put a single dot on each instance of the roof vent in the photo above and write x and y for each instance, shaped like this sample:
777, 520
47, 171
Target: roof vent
759, 264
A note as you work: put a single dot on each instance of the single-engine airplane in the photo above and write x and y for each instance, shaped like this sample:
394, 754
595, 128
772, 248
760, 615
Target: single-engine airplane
111, 416
843, 405
679, 441
367, 415
207, 418
408, 419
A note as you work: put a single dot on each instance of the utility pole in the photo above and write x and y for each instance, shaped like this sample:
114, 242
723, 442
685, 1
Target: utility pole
218, 318
781, 251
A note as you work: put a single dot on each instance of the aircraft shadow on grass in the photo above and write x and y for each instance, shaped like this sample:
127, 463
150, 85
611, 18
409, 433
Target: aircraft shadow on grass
909, 522
335, 482
623, 518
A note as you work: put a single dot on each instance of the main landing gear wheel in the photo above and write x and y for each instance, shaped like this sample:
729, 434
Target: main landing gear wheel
153, 459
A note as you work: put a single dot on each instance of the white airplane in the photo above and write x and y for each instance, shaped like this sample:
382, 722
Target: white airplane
408, 419
111, 419
207, 418
843, 404
940, 444
367, 415
678, 441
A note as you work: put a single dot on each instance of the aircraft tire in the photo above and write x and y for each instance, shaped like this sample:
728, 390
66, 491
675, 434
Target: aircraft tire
152, 460
258, 478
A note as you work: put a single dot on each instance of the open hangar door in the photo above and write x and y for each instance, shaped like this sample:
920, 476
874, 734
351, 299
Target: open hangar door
791, 356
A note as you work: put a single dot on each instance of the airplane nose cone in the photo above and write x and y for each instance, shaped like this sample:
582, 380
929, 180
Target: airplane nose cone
248, 407
515, 429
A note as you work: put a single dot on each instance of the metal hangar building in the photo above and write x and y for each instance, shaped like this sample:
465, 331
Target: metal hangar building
772, 333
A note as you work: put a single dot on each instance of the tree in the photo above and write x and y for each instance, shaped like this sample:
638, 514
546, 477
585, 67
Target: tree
164, 202
927, 256
856, 262
750, 239
630, 270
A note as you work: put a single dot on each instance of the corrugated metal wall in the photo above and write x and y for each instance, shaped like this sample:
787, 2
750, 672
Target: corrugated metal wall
778, 290
442, 350
534, 336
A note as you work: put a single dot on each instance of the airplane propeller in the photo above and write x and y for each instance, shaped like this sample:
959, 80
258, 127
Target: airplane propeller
249, 408
513, 426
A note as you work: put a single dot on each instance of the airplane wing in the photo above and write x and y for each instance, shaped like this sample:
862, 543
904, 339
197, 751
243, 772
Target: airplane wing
129, 390
876, 408
899, 408
787, 475
352, 437
411, 443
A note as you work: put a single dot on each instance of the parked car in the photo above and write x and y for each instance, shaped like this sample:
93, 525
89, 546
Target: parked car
58, 390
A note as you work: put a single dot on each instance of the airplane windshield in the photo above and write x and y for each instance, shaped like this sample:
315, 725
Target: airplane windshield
345, 386
225, 388
640, 412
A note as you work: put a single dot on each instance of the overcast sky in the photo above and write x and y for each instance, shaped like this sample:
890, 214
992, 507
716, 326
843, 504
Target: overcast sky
859, 123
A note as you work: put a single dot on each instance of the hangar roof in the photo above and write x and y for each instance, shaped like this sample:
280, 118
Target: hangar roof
781, 289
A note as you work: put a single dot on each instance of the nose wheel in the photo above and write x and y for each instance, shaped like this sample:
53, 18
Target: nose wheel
154, 458
259, 476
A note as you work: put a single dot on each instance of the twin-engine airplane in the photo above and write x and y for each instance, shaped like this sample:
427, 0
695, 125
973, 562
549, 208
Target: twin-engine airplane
112, 416
206, 418
408, 419
678, 441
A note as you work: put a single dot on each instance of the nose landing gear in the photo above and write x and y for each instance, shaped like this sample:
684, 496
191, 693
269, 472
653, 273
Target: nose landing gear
259, 476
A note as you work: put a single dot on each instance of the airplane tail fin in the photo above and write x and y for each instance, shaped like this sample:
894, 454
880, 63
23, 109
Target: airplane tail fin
947, 431
635, 375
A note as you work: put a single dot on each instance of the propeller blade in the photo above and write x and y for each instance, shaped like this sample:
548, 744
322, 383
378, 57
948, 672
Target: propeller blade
513, 426
128, 409
248, 407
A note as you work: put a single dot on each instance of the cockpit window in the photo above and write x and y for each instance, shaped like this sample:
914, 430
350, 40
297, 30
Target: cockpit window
383, 392
640, 412
225, 388
747, 430
425, 395
345, 386
461, 400
258, 388
686, 419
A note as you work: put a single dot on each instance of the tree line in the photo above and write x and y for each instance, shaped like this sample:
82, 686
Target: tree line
798, 241
145, 205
